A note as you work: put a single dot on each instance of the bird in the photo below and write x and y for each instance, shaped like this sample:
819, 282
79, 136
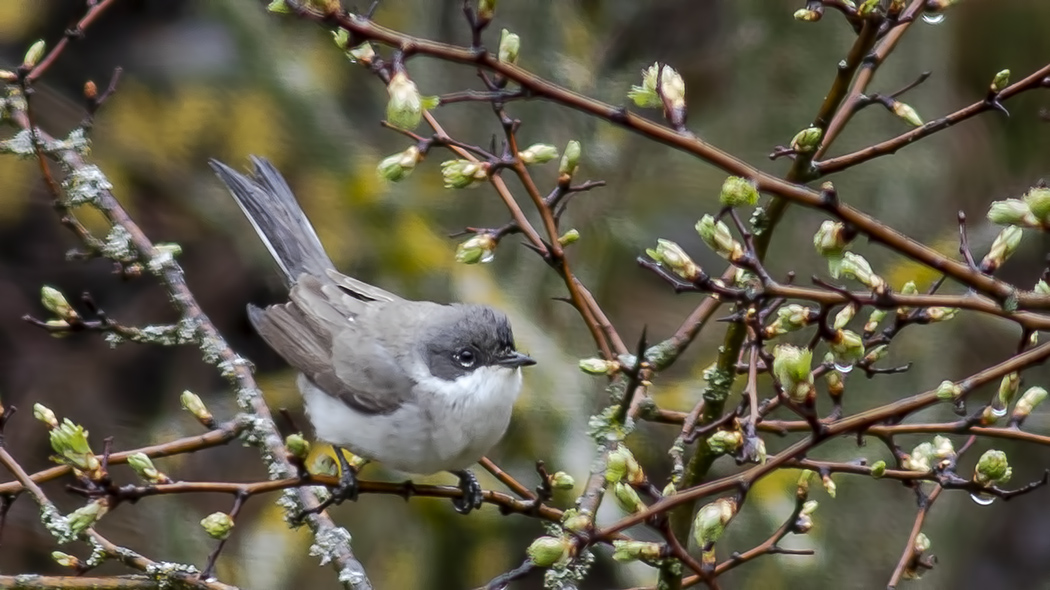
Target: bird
418, 386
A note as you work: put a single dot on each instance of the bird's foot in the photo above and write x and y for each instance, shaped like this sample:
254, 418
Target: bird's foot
346, 490
472, 496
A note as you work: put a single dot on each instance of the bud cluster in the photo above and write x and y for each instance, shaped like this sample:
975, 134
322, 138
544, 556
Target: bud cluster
1031, 210
671, 88
792, 367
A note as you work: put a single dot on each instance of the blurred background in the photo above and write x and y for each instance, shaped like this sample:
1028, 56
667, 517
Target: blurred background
226, 79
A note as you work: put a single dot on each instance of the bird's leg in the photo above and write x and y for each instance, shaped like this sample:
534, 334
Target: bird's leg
471, 497
346, 490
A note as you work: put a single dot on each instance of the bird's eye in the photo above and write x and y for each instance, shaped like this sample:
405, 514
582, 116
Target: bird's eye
466, 358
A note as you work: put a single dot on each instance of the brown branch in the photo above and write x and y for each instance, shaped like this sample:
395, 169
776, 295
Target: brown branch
95, 10
36, 582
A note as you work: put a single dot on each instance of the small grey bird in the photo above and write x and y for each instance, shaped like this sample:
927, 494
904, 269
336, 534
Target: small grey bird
418, 386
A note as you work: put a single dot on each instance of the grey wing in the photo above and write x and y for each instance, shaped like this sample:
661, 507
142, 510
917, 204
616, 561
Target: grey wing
317, 337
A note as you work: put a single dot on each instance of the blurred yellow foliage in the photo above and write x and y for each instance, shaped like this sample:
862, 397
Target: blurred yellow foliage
18, 16
924, 276
18, 176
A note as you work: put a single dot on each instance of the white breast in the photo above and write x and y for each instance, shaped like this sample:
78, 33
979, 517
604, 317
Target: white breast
450, 426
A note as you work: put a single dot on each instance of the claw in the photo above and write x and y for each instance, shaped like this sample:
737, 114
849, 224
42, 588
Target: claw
472, 496
346, 490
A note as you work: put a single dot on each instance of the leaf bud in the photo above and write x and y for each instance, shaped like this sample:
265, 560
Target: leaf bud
711, 521
724, 442
578, 523
1028, 402
297, 445
509, 46
807, 16
919, 458
486, 10
789, 319
538, 153
569, 237
717, 237
143, 466
85, 517
878, 469
570, 159
1000, 81
792, 367
66, 560
948, 390
627, 551
738, 192
562, 481
847, 346
1003, 247
941, 314
546, 551
856, 267
807, 140
278, 7
922, 543
1038, 201
992, 469
324, 464
33, 55
399, 166
464, 173
45, 415
405, 106
843, 317
218, 525
479, 248
193, 404
671, 256
56, 303
1008, 388
906, 112
1012, 212
829, 485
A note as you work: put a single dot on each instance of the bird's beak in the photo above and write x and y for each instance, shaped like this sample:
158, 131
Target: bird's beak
515, 360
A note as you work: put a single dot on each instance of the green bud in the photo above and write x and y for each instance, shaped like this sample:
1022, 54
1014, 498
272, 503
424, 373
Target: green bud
70, 443
645, 96
943, 448
671, 256
760, 451
405, 107
807, 16
848, 347
711, 521
85, 517
486, 10
1012, 212
562, 481
33, 55
627, 551
874, 319
509, 45
297, 445
875, 354
868, 8
1028, 402
570, 237
807, 140
278, 7
363, 53
906, 112
538, 153
802, 487
948, 390
570, 160
792, 367
56, 303
596, 366
992, 469
480, 248
1042, 288
341, 38
1000, 81
738, 192
941, 314
922, 543
856, 267
578, 523
789, 319
464, 173
804, 522
400, 165
829, 485
1008, 388
8, 76
724, 442
324, 465
1038, 201
717, 237
65, 559
546, 551
627, 498
193, 404
45, 415
920, 458
878, 469
1003, 247
622, 465
830, 242
672, 86
843, 317
143, 466
218, 525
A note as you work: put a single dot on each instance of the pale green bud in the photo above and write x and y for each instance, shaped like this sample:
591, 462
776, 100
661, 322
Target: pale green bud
909, 288
297, 445
546, 551
804, 522
829, 485
807, 16
1042, 288
848, 347
464, 173
1028, 402
627, 551
1012, 212
922, 543
717, 237
33, 55
724, 442
578, 523
399, 166
45, 415
1038, 201
878, 469
570, 160
948, 390
538, 153
992, 469
792, 366
562, 481
675, 259
56, 303
278, 7
856, 267
804, 478
569, 237
218, 525
70, 442
807, 140
65, 559
789, 319
85, 517
843, 317
906, 112
1000, 81
143, 466
324, 465
341, 38
1003, 247
671, 85
1008, 388
874, 319
363, 53
193, 404
486, 10
509, 46
405, 107
920, 458
738, 192
8, 76
597, 366
623, 466
833, 379
830, 242
943, 448
868, 8
875, 354
479, 248
941, 314
711, 521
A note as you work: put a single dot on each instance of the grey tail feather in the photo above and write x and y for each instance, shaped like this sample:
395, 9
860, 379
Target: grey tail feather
270, 206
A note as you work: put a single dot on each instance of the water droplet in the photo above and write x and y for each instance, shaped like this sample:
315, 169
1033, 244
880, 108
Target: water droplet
489, 256
982, 499
843, 368
932, 18
997, 411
